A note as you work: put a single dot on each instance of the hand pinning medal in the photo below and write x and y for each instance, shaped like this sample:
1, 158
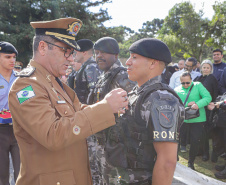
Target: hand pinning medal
122, 110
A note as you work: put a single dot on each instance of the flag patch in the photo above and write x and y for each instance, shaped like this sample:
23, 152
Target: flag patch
25, 94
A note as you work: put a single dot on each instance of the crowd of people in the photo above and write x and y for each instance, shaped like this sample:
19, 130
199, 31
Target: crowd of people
210, 124
81, 117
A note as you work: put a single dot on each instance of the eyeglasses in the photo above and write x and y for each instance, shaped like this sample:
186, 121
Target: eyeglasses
183, 83
188, 66
67, 52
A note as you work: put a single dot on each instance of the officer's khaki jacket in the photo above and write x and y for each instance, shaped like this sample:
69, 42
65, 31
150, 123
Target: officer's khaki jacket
51, 127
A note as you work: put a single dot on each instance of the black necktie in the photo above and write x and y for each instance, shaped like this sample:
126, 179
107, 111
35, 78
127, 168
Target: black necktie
59, 82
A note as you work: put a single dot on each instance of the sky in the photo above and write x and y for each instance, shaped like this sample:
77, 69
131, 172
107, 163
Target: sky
133, 13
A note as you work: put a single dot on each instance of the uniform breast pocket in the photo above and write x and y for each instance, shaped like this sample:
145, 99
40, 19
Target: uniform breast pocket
64, 110
57, 178
3, 96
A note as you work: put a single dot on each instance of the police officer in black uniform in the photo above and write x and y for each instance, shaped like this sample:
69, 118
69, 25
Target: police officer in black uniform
83, 83
143, 144
85, 80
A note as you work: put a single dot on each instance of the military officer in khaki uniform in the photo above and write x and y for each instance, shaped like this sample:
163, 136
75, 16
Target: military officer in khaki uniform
50, 124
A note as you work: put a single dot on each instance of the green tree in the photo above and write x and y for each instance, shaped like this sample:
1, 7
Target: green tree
150, 28
16, 15
189, 34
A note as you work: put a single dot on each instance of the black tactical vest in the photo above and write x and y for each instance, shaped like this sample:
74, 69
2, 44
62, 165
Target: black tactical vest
81, 87
129, 142
103, 85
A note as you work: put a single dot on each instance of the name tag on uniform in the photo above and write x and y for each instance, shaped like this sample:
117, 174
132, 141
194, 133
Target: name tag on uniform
61, 101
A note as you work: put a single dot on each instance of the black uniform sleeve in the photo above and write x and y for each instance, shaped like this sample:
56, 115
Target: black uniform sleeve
161, 111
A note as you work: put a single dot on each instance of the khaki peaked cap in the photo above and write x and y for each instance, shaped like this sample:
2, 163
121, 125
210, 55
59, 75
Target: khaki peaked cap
63, 30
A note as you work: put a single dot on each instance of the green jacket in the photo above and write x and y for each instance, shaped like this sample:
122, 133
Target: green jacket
200, 95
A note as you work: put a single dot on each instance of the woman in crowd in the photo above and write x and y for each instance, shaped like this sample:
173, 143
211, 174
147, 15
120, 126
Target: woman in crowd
211, 84
199, 98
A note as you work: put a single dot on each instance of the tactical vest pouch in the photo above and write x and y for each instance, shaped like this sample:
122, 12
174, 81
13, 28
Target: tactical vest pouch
115, 149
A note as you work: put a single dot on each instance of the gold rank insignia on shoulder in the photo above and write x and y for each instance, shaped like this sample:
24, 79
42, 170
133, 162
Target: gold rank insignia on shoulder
26, 72
76, 130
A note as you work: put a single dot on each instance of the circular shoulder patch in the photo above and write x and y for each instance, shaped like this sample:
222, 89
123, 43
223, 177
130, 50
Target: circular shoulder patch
76, 130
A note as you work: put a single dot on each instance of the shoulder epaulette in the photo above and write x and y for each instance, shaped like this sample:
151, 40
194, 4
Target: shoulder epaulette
26, 72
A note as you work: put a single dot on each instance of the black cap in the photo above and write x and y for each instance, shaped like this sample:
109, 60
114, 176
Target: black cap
108, 45
85, 44
6, 47
63, 30
152, 48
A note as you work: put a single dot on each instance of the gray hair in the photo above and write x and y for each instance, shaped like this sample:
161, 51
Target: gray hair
207, 62
39, 38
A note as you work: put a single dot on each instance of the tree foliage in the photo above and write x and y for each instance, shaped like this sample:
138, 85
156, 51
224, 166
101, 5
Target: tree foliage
15, 18
189, 34
186, 32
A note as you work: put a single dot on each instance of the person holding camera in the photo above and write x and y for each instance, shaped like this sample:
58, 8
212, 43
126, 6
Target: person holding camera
195, 97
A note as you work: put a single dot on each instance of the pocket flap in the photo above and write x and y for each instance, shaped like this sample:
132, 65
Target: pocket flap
57, 178
64, 110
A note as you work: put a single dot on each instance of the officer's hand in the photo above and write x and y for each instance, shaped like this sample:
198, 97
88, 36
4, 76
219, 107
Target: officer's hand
118, 101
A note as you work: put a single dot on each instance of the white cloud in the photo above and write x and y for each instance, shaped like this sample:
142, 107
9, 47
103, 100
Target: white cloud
133, 13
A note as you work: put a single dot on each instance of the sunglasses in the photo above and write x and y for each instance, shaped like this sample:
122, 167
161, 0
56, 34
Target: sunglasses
183, 83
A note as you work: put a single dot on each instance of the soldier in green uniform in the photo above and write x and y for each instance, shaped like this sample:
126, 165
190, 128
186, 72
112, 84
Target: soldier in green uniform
142, 146
114, 76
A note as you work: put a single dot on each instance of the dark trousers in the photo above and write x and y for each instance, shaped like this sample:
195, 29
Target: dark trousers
8, 145
219, 140
184, 134
195, 131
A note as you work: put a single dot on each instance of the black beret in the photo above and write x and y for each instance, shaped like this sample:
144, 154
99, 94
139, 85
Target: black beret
6, 47
85, 44
108, 45
152, 48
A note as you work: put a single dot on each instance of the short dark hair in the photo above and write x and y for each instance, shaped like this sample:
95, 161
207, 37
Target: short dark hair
193, 60
218, 50
186, 73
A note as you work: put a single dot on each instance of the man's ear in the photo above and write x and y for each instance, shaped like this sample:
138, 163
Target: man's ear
116, 56
42, 48
152, 64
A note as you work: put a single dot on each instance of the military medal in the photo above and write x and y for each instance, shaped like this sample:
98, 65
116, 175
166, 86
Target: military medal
76, 130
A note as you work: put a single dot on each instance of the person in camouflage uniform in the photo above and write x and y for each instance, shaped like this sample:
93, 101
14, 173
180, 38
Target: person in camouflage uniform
142, 146
114, 76
89, 72
72, 76
84, 83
